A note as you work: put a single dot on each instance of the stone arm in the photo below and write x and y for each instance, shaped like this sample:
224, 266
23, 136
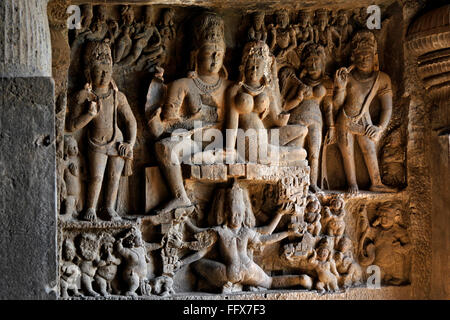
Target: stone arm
121, 250
156, 33
339, 97
386, 110
335, 37
328, 108
294, 95
152, 246
232, 119
273, 238
194, 257
273, 40
333, 268
313, 259
270, 227
404, 241
129, 119
293, 40
79, 119
194, 228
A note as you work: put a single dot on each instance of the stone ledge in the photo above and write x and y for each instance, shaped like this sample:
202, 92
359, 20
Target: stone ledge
360, 293
248, 171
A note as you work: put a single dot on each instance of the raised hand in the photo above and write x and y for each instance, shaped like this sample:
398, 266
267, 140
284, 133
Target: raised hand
341, 77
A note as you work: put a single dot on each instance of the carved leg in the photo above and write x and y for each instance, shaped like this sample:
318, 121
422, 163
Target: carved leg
103, 285
115, 167
314, 139
214, 272
169, 160
293, 135
132, 57
292, 281
86, 282
70, 206
370, 156
133, 282
97, 165
348, 156
64, 287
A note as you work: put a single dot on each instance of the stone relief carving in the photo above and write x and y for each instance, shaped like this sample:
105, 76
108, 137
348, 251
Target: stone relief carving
385, 243
98, 106
230, 222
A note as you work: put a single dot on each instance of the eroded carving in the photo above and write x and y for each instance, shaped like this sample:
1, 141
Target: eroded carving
231, 224
98, 107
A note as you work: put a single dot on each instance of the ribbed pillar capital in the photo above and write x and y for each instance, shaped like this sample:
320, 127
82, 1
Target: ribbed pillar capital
25, 46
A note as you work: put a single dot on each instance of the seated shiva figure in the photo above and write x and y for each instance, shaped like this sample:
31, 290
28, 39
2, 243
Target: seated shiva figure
253, 99
234, 235
199, 97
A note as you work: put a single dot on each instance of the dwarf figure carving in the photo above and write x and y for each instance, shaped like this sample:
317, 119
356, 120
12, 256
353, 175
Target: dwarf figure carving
312, 215
88, 246
385, 243
323, 264
349, 270
70, 273
107, 266
333, 218
134, 274
71, 186
98, 107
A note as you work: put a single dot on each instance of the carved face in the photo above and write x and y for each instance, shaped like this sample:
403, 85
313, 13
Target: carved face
303, 21
210, 59
342, 19
323, 253
387, 219
336, 204
107, 247
88, 247
310, 216
236, 213
148, 15
101, 75
283, 19
365, 60
72, 147
258, 19
129, 17
314, 66
322, 22
69, 251
101, 13
254, 70
167, 17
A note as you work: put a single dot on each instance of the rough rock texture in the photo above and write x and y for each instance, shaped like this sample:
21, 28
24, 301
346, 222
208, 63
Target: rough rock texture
428, 40
28, 265
24, 39
27, 183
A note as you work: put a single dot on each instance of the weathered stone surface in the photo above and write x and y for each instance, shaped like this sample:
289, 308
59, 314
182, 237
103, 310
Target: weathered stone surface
28, 265
24, 39
155, 189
